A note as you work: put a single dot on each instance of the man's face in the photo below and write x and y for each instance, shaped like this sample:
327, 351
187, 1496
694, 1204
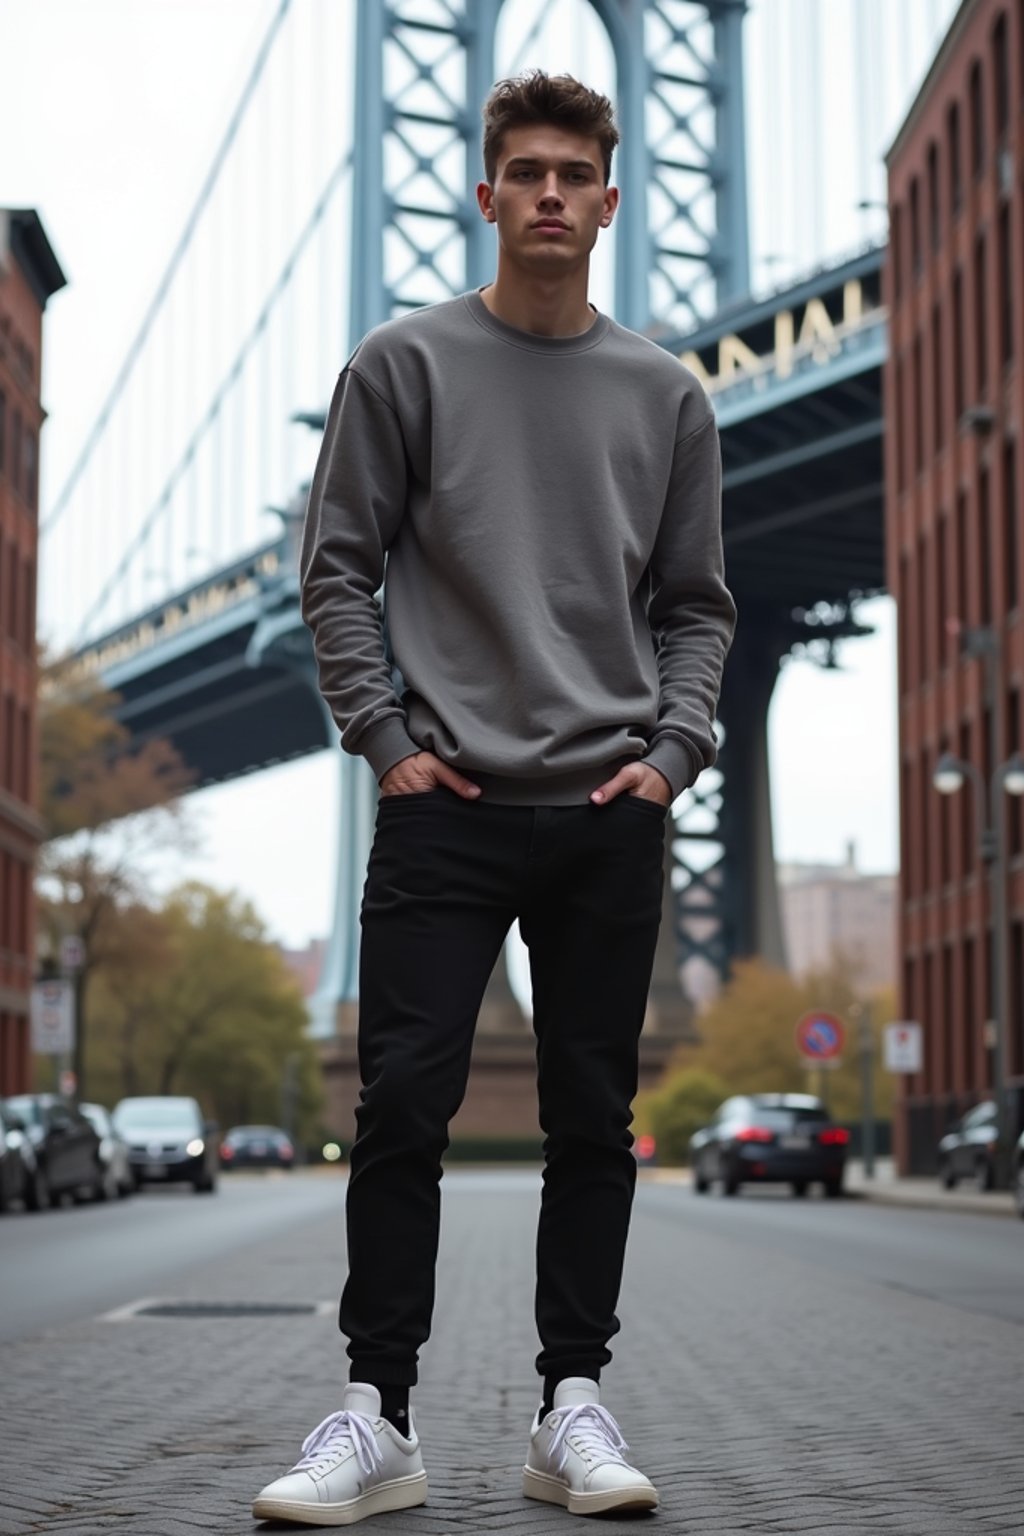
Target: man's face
549, 198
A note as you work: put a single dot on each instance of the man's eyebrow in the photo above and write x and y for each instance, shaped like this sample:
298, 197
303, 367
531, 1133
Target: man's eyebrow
569, 165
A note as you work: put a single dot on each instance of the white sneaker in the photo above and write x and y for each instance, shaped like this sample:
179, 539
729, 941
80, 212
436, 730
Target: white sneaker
354, 1464
575, 1457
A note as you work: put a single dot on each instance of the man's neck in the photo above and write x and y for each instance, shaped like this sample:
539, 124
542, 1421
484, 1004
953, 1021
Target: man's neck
555, 308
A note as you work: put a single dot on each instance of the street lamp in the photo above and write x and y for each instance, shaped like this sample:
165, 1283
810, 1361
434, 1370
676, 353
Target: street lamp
1008, 779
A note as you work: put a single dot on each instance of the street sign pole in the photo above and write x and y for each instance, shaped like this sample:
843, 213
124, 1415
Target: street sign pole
867, 1090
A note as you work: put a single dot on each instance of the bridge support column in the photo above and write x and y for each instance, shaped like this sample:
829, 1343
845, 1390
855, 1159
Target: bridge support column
727, 903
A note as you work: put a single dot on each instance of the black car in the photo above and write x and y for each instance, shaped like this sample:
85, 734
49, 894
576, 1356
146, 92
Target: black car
169, 1141
21, 1177
257, 1146
1017, 1173
968, 1151
781, 1138
66, 1148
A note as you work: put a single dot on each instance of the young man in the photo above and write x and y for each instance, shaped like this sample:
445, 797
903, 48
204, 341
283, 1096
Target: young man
545, 487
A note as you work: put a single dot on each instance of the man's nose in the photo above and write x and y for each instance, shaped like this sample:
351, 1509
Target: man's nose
550, 192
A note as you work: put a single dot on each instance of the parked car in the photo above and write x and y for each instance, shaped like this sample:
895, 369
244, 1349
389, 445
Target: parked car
21, 1177
117, 1173
169, 1141
968, 1151
257, 1146
770, 1138
1018, 1175
66, 1148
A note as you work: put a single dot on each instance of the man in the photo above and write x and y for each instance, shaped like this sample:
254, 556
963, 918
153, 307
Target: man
545, 488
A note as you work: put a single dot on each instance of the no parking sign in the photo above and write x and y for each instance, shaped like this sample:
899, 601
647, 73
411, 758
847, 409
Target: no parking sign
53, 1018
820, 1037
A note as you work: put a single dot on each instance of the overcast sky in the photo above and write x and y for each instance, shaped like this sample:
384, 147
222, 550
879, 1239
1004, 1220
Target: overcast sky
109, 114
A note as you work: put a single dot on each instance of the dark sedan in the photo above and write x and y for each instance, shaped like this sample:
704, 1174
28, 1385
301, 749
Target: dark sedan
65, 1145
761, 1138
21, 1177
257, 1146
1018, 1175
968, 1150
168, 1141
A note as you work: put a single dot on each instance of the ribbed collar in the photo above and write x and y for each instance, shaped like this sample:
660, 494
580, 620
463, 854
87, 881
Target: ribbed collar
527, 340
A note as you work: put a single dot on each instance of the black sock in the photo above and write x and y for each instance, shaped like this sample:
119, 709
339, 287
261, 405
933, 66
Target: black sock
394, 1406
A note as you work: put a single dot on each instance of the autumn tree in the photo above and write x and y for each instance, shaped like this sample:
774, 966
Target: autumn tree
92, 777
212, 1011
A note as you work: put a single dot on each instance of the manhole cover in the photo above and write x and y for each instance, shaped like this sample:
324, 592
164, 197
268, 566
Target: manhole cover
226, 1309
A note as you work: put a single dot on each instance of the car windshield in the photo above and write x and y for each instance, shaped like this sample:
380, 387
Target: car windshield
786, 1119
96, 1116
155, 1117
26, 1109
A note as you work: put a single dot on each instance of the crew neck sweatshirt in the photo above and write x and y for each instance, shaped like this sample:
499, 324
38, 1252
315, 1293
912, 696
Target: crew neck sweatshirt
543, 516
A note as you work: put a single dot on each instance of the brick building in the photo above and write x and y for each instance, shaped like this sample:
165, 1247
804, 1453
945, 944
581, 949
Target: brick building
29, 275
954, 286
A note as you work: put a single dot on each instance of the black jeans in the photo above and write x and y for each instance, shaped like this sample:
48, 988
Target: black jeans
446, 879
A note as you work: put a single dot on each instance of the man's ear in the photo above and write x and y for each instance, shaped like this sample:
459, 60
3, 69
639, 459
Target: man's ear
485, 198
611, 202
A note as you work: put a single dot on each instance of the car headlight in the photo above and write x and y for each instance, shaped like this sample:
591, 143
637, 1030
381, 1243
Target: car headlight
195, 1147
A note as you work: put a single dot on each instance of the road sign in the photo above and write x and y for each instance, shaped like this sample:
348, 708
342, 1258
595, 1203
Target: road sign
820, 1036
903, 1047
53, 1018
72, 952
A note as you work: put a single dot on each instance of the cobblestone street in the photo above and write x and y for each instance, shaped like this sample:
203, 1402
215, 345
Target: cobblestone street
765, 1382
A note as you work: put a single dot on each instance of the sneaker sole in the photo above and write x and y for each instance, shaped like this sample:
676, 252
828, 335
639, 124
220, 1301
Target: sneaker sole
401, 1493
539, 1485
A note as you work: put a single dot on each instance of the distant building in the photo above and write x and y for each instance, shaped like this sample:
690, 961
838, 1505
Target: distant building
954, 479
834, 911
305, 964
29, 275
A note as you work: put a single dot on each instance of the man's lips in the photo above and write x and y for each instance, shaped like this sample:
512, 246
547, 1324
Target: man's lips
550, 224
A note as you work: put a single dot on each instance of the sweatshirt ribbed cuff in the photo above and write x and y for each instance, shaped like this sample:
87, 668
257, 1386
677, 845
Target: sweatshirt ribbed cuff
386, 744
675, 762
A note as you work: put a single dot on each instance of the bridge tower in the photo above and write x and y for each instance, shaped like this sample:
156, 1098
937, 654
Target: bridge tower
423, 68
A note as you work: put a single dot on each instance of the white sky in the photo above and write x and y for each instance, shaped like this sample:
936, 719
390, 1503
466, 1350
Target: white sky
109, 115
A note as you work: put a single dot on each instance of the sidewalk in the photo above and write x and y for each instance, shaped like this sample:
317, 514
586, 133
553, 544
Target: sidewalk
888, 1189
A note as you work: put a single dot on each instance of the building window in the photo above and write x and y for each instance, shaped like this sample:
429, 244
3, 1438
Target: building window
967, 848
945, 831
958, 343
970, 1020
937, 371
963, 594
8, 779
1005, 296
28, 611
953, 155
902, 626
30, 468
1015, 811
941, 588
915, 227
985, 546
896, 250
907, 801
980, 315
977, 120
1010, 553
25, 764
899, 420
3, 432
923, 584
934, 221
925, 841
1001, 76
918, 405
14, 451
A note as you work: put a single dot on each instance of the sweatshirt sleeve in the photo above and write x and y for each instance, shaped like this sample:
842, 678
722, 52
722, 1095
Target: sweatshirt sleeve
691, 614
356, 503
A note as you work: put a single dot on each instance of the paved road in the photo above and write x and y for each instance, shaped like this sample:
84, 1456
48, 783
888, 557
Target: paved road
56, 1266
783, 1367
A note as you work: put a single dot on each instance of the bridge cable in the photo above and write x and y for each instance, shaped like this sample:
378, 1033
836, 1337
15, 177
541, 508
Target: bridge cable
180, 248
210, 415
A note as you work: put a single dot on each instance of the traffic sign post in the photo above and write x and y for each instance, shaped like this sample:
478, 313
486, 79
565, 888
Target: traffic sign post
820, 1037
53, 1018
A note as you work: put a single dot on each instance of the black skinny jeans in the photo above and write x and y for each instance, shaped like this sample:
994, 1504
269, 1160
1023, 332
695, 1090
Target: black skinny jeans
445, 880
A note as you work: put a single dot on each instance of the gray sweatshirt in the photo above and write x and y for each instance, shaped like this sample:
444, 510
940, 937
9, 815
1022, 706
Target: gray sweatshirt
545, 516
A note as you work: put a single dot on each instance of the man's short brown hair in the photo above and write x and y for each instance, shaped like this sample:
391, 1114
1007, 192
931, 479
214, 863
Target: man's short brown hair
556, 99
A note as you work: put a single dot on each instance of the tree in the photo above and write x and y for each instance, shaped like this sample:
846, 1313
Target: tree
748, 1045
211, 1010
90, 778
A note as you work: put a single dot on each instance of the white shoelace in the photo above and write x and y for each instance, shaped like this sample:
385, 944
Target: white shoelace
594, 1432
337, 1432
